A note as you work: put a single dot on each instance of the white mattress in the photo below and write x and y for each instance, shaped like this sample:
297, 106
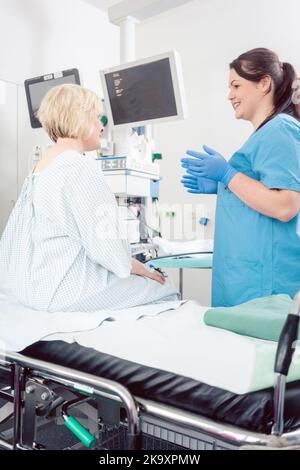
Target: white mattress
178, 341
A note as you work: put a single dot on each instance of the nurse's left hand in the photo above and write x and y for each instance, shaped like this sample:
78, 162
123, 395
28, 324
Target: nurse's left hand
199, 185
210, 165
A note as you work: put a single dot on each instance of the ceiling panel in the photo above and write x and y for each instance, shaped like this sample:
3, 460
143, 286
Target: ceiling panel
102, 4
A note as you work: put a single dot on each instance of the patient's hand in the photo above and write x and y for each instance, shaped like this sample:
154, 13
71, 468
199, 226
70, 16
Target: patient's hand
140, 270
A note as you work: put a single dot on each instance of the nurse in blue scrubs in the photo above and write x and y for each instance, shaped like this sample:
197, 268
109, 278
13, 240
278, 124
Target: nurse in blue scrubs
257, 249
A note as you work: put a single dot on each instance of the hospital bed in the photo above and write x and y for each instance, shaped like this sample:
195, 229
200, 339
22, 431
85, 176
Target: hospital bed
111, 403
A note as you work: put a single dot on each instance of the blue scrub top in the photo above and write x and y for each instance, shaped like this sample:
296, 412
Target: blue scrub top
256, 255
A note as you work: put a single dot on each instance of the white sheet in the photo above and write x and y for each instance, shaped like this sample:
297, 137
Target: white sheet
21, 326
174, 248
178, 341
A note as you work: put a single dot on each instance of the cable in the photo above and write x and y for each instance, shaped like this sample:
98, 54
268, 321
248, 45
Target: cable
145, 225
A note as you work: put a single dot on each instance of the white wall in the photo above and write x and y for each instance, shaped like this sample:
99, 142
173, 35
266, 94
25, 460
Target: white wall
209, 34
38, 37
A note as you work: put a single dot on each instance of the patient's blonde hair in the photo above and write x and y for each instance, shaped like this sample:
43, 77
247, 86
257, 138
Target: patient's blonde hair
68, 111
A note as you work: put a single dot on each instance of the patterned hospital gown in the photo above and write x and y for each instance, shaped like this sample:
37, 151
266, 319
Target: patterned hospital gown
63, 248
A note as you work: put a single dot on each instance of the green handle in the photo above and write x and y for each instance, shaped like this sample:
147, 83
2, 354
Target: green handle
83, 434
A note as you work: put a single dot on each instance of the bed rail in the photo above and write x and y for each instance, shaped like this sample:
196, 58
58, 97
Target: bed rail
284, 355
25, 367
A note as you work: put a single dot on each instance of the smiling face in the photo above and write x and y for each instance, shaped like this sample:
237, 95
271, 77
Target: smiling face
248, 97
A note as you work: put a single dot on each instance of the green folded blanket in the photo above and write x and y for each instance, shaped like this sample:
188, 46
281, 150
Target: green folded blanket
260, 318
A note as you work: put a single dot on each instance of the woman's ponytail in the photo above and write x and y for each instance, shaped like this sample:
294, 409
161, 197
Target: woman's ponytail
284, 96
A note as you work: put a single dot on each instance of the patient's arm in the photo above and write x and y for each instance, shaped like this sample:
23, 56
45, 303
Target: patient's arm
140, 270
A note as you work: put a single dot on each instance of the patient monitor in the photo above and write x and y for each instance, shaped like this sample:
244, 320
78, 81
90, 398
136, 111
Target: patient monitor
36, 88
144, 92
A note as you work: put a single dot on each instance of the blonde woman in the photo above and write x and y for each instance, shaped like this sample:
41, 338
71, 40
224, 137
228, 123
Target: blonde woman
63, 248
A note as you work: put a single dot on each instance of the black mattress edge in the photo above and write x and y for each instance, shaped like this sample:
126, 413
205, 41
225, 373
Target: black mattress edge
252, 411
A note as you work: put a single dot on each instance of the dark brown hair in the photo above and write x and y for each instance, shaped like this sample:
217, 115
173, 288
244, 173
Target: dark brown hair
258, 63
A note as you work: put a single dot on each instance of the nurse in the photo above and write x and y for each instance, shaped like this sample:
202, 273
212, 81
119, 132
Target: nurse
257, 249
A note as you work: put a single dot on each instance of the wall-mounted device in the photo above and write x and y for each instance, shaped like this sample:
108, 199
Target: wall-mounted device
36, 88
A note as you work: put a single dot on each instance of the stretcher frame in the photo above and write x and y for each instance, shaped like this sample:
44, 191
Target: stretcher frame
33, 384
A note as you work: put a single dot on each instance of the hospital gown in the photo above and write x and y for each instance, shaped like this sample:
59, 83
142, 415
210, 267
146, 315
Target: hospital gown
64, 249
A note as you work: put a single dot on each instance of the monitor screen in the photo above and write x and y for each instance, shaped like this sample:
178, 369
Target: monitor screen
145, 91
36, 88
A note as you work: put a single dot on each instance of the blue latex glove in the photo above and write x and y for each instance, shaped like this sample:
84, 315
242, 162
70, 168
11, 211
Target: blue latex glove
199, 185
209, 165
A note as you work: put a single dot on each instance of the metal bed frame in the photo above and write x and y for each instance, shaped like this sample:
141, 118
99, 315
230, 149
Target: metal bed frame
38, 394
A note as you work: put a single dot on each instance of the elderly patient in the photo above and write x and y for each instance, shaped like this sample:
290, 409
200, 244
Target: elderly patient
63, 248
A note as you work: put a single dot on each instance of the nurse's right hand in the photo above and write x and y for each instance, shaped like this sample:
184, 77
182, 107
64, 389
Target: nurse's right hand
199, 185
